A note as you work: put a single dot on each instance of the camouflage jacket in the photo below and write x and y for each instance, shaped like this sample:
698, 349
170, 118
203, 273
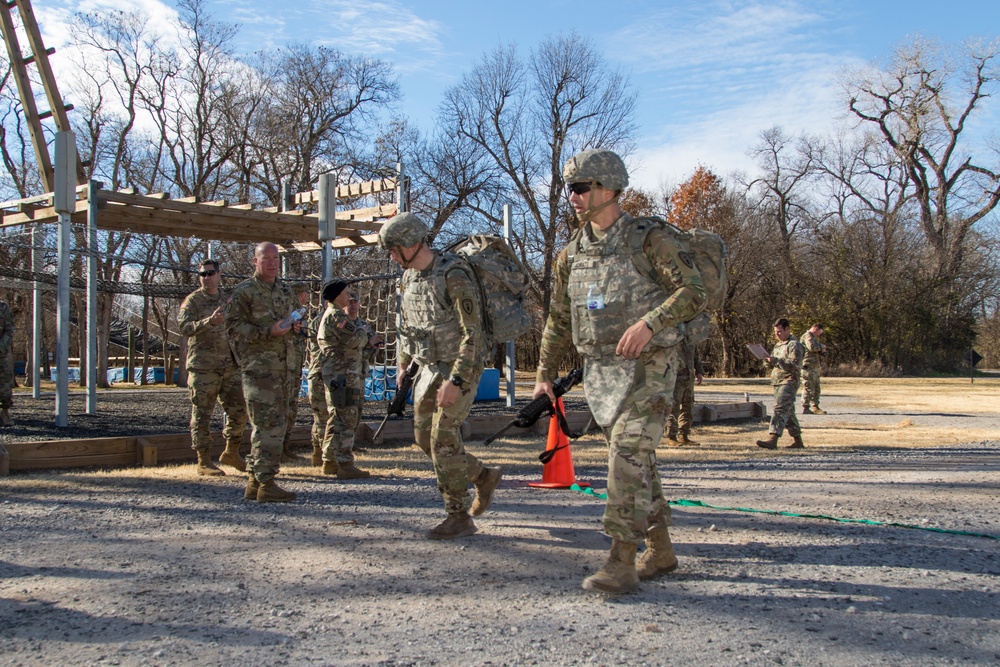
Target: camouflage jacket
312, 348
342, 344
254, 307
788, 361
208, 345
6, 329
661, 307
446, 331
814, 350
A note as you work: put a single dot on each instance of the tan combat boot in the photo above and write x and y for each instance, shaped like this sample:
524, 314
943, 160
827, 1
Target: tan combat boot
269, 492
796, 442
252, 487
770, 443
231, 457
658, 558
5, 418
672, 440
618, 574
685, 441
350, 471
806, 410
205, 466
458, 524
818, 411
487, 483
317, 457
330, 467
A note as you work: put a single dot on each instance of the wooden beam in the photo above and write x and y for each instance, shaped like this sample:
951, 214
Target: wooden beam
349, 190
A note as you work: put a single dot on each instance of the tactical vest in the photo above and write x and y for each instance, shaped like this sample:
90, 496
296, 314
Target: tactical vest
429, 328
608, 266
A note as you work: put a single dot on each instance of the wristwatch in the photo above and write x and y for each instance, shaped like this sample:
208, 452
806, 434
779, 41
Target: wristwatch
457, 381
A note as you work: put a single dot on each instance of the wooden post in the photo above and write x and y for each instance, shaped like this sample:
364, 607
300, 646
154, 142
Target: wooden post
4, 461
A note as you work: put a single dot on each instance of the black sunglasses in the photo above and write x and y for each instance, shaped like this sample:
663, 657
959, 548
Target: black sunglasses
580, 188
206, 274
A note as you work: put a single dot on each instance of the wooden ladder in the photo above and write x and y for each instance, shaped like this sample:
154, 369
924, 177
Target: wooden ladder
19, 68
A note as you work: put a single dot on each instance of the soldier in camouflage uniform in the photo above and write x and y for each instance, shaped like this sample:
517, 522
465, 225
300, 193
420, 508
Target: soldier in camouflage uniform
440, 327
260, 328
317, 393
6, 369
625, 324
786, 366
295, 374
811, 369
689, 373
344, 343
212, 371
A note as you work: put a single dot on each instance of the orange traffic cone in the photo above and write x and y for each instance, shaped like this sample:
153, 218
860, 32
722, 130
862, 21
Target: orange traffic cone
558, 473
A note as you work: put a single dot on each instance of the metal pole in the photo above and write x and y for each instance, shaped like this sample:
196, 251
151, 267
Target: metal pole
64, 202
62, 324
402, 196
92, 188
36, 312
327, 222
507, 233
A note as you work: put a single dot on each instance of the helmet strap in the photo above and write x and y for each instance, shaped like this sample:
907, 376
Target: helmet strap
588, 215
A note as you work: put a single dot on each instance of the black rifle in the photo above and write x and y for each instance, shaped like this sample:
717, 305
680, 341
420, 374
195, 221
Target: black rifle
542, 407
397, 406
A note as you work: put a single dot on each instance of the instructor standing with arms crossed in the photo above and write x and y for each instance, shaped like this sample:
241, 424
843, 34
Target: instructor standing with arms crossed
625, 325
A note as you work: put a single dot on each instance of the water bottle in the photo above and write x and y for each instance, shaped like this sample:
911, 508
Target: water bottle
595, 300
296, 316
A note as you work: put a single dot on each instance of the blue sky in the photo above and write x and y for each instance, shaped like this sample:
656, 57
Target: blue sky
711, 74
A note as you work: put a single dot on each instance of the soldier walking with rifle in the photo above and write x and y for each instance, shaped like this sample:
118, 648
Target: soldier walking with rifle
441, 330
625, 325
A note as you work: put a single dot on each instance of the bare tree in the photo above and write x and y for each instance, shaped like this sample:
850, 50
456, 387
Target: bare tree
920, 105
525, 117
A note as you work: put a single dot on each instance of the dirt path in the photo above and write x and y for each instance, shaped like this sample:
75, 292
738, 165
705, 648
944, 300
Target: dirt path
157, 567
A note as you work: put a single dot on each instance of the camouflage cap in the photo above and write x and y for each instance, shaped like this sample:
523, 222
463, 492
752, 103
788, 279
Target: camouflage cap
300, 287
603, 166
403, 230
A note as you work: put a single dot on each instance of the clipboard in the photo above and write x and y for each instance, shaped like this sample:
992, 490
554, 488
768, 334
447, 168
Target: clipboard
758, 350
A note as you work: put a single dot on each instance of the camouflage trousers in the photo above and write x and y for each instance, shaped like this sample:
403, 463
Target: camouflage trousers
438, 432
341, 425
267, 406
317, 401
784, 410
294, 387
205, 387
810, 386
635, 495
680, 418
6, 381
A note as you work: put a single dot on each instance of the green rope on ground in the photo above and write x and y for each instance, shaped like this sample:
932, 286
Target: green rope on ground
682, 502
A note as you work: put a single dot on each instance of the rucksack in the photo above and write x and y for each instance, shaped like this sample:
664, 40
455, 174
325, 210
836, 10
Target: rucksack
501, 280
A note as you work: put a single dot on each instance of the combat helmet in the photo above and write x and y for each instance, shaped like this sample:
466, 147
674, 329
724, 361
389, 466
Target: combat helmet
403, 230
601, 165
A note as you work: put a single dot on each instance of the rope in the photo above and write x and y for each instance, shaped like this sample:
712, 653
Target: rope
682, 502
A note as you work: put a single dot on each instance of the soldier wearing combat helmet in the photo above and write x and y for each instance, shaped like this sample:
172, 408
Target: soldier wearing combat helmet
625, 325
440, 328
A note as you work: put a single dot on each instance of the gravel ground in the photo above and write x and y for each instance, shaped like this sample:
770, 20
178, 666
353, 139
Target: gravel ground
157, 567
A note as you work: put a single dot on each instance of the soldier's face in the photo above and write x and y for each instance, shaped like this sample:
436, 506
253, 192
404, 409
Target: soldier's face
209, 277
353, 306
404, 256
342, 299
267, 262
303, 298
782, 334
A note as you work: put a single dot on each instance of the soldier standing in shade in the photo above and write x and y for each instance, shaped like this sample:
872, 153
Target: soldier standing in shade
689, 373
786, 366
343, 344
811, 369
6, 369
317, 393
258, 321
625, 324
212, 371
440, 327
299, 341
